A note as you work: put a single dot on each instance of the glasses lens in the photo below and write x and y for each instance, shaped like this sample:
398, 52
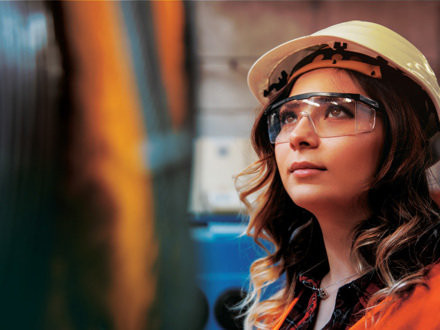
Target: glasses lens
329, 116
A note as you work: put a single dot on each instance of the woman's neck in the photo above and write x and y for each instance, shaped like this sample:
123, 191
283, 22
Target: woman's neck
337, 231
338, 249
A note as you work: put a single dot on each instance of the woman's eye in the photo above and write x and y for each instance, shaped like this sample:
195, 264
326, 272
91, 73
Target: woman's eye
339, 112
287, 117
335, 112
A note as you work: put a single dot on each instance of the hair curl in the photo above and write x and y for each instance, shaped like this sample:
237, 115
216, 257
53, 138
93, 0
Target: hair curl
399, 239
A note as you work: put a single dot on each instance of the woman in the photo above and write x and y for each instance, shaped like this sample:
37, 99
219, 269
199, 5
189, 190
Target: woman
345, 142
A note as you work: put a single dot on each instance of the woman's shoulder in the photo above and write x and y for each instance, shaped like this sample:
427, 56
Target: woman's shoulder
421, 310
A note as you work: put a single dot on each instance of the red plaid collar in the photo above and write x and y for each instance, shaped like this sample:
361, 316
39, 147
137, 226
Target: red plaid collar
349, 308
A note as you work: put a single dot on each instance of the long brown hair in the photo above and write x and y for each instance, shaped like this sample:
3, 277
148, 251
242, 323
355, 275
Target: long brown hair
398, 241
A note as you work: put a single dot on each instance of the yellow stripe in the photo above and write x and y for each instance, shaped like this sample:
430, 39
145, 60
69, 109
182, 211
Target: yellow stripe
108, 141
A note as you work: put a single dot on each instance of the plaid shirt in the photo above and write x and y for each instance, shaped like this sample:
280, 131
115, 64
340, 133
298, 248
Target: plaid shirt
350, 304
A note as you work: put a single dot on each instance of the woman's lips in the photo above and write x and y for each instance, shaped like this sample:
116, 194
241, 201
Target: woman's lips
305, 169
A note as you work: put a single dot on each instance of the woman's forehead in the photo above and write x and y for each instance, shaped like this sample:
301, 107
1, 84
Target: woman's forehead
326, 80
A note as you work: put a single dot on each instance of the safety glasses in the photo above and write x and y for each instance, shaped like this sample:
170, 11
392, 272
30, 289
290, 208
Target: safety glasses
329, 114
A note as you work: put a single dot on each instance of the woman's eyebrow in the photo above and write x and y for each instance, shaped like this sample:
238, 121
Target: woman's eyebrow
293, 104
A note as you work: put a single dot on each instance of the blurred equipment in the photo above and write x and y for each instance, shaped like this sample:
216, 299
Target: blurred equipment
217, 160
94, 194
126, 180
224, 260
30, 71
224, 255
161, 48
105, 244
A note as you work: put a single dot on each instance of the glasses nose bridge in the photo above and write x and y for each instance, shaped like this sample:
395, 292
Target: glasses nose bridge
308, 115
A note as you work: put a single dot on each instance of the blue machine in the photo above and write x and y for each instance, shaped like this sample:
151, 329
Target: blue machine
224, 256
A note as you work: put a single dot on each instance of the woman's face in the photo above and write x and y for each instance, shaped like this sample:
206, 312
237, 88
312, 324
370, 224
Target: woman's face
321, 174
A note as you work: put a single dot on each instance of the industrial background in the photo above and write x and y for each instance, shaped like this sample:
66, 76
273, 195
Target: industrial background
122, 126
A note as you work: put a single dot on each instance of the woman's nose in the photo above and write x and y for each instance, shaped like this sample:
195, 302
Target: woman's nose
304, 134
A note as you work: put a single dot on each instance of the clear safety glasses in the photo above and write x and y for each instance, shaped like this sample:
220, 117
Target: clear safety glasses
329, 114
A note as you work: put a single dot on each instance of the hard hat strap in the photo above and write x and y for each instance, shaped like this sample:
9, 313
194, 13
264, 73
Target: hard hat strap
337, 61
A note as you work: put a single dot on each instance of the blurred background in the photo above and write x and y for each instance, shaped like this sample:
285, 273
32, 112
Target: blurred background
122, 126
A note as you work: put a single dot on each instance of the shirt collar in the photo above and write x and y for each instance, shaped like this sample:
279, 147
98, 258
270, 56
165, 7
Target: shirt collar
364, 286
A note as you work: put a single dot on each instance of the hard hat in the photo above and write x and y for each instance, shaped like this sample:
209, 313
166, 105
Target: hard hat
366, 38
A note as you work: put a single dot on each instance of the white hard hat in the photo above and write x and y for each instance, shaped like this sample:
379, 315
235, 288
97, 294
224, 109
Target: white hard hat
370, 39
366, 38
